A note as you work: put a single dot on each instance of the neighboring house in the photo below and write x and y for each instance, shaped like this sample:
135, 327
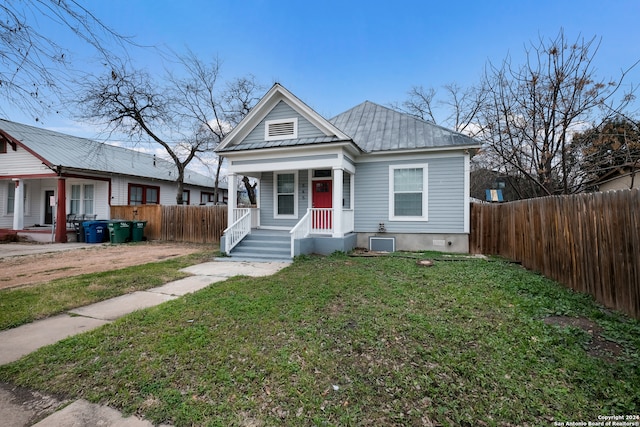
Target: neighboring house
370, 172
40, 168
623, 177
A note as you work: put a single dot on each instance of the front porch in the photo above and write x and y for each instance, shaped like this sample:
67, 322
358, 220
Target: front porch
313, 204
36, 234
315, 233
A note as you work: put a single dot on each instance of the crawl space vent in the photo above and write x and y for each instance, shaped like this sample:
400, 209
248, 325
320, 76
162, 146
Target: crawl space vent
382, 244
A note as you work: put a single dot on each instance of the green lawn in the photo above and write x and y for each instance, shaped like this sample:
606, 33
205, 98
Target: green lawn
355, 341
28, 303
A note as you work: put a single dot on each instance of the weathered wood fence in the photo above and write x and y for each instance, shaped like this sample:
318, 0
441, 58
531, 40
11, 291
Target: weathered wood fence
193, 224
588, 242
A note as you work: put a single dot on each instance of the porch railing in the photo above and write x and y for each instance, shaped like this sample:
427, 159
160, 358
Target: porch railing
236, 231
300, 231
321, 220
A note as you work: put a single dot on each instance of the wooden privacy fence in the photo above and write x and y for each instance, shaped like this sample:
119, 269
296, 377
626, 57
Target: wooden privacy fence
588, 242
193, 224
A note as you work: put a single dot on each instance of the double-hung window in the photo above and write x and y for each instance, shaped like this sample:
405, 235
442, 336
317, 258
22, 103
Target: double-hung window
81, 200
11, 197
143, 194
87, 199
74, 205
408, 192
286, 205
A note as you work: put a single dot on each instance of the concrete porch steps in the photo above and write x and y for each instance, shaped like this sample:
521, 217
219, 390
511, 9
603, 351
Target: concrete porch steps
264, 245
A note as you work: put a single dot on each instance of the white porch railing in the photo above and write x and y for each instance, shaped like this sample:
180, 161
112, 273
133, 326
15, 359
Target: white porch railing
236, 231
320, 221
300, 231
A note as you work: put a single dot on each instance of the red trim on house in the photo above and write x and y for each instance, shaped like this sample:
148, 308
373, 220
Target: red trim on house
61, 212
75, 175
11, 140
30, 151
36, 176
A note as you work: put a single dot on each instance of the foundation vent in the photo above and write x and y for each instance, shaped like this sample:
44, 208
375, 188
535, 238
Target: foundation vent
382, 244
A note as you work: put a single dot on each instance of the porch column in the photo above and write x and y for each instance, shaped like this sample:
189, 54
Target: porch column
61, 212
18, 204
338, 182
232, 200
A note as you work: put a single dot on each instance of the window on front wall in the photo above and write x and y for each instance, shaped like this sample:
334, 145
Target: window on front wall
408, 193
81, 199
87, 199
186, 197
285, 195
74, 204
11, 197
206, 197
143, 194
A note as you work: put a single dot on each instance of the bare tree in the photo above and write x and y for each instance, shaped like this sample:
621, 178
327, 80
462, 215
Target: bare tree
35, 70
187, 115
531, 111
460, 107
610, 150
215, 112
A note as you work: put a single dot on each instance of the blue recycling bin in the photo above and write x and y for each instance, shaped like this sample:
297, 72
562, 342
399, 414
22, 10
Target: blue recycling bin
95, 231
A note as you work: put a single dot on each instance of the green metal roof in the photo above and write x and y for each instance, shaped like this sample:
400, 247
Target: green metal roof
58, 149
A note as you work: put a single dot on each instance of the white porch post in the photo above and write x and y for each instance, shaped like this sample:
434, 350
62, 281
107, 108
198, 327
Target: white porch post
18, 205
232, 200
338, 182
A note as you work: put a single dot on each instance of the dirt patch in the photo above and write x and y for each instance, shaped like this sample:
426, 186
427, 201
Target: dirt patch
598, 346
40, 268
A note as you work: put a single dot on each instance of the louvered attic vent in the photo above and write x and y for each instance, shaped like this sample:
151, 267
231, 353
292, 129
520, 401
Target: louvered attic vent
281, 129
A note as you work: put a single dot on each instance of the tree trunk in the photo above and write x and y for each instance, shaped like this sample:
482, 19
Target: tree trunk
251, 190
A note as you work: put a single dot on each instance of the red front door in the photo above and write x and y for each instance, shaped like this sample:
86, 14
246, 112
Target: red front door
322, 197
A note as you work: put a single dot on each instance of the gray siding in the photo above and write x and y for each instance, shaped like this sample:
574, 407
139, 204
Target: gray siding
446, 197
283, 111
266, 201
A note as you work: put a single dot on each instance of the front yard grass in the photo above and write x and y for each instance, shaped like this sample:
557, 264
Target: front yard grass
28, 303
355, 341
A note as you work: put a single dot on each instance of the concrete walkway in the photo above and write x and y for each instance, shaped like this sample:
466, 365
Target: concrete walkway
20, 408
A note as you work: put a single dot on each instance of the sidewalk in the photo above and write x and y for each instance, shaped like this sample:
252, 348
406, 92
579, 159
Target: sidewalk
20, 411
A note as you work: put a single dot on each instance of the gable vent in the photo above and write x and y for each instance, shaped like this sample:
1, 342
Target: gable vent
281, 129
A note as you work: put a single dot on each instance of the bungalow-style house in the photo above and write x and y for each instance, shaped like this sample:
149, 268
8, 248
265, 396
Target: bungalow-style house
46, 176
370, 177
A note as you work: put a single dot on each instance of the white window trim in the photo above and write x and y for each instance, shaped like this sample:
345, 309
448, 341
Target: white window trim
26, 201
425, 181
295, 195
280, 137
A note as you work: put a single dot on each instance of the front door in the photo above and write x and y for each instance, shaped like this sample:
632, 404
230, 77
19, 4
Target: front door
322, 197
48, 209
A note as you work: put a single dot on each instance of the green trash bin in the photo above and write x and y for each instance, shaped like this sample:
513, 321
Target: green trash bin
119, 231
137, 230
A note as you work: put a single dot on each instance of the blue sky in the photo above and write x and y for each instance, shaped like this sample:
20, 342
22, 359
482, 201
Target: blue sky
335, 54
